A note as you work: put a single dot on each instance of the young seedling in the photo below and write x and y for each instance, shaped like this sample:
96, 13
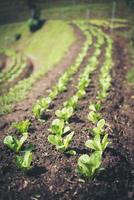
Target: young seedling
96, 107
72, 102
99, 129
14, 144
97, 144
22, 126
41, 106
58, 127
65, 113
94, 117
62, 144
24, 162
88, 165
81, 93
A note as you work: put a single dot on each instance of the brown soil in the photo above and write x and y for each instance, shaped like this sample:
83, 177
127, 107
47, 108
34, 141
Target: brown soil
53, 175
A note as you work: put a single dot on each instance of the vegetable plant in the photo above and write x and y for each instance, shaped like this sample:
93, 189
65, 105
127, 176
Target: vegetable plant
65, 113
61, 143
99, 129
58, 127
96, 107
88, 165
97, 144
94, 116
22, 126
13, 143
24, 162
72, 102
41, 106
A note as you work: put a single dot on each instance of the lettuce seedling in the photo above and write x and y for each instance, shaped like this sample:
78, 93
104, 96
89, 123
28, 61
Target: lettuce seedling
97, 144
94, 117
83, 83
62, 144
53, 93
13, 143
81, 93
22, 126
72, 102
37, 111
58, 127
41, 106
89, 165
65, 113
99, 129
96, 107
24, 162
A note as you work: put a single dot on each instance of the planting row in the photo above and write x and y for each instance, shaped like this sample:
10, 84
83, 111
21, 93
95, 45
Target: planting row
61, 135
60, 126
89, 165
14, 69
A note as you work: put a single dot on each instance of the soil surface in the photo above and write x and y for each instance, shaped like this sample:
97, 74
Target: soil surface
53, 175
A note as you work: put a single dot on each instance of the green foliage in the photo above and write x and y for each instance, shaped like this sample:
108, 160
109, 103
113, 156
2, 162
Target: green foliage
96, 107
72, 102
24, 162
58, 127
22, 126
65, 113
88, 165
96, 144
94, 117
13, 143
41, 106
83, 83
99, 129
81, 93
62, 144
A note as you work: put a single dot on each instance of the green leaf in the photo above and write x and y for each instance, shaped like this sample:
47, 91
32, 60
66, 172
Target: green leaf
105, 142
71, 152
10, 142
65, 113
68, 139
94, 117
55, 140
24, 162
57, 127
22, 126
101, 123
21, 141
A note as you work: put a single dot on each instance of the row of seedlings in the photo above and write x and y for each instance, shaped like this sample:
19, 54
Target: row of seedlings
15, 68
43, 104
87, 165
61, 136
24, 160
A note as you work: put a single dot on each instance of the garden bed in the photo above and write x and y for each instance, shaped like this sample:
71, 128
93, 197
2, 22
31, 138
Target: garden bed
53, 175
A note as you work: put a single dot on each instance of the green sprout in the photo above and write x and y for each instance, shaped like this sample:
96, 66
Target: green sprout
24, 162
65, 113
22, 126
94, 117
14, 144
61, 143
88, 165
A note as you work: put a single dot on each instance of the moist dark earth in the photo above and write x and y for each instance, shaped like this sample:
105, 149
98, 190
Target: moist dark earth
53, 174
